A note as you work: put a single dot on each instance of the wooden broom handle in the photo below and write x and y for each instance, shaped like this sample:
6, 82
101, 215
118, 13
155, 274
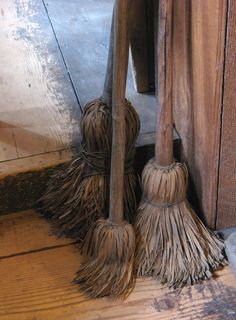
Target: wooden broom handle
107, 89
164, 75
120, 66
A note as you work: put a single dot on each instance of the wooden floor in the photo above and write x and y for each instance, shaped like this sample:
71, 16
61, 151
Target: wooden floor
53, 58
39, 111
36, 273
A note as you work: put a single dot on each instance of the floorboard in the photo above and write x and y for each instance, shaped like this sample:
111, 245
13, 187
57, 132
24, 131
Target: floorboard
38, 285
24, 232
39, 111
34, 163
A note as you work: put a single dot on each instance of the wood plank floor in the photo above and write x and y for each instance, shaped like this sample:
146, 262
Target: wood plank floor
36, 283
39, 111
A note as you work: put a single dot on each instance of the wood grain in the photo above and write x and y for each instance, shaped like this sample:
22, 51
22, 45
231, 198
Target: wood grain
40, 288
35, 163
37, 285
164, 84
24, 232
7, 141
226, 215
39, 112
199, 34
120, 67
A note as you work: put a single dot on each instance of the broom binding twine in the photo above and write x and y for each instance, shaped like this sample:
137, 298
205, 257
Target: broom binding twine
98, 163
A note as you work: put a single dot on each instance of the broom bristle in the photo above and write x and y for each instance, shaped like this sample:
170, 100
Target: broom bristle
60, 187
107, 269
77, 194
83, 208
173, 245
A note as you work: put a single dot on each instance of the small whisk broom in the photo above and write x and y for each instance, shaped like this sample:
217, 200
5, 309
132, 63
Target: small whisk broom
109, 246
173, 245
77, 195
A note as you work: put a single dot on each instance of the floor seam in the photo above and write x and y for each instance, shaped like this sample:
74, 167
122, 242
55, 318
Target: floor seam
23, 253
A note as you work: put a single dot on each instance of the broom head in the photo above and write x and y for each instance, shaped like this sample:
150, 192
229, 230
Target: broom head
173, 245
108, 252
76, 195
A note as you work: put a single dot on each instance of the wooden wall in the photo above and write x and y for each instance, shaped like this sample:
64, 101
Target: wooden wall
199, 38
226, 213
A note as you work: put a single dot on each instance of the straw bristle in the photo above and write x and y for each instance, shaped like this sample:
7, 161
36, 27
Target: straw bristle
173, 245
61, 187
77, 195
82, 208
107, 269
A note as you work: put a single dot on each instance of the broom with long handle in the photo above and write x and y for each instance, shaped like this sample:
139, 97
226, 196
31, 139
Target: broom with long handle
173, 245
76, 196
109, 246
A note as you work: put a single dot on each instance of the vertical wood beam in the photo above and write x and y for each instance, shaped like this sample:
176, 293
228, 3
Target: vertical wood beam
199, 37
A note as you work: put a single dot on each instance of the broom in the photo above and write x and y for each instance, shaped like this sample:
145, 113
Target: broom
173, 245
77, 195
109, 246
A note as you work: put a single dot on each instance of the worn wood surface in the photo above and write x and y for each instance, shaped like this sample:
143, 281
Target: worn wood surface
199, 34
84, 38
36, 284
164, 83
226, 213
21, 231
39, 112
34, 163
120, 68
